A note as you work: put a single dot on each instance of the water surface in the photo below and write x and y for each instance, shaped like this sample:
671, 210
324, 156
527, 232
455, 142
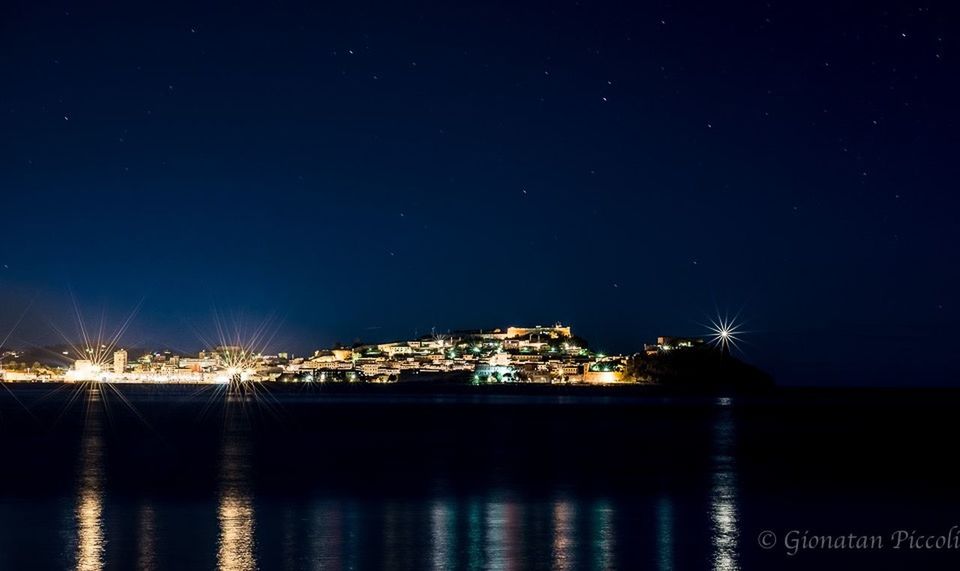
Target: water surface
195, 478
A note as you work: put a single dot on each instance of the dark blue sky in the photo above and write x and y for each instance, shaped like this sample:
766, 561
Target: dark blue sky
371, 170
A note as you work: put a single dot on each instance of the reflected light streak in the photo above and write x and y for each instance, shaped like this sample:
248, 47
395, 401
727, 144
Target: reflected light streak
89, 509
442, 533
393, 538
603, 534
564, 515
290, 540
665, 525
475, 538
146, 545
502, 548
326, 535
723, 497
235, 514
351, 536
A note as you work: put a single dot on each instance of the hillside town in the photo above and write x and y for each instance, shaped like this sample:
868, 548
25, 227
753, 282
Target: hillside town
539, 354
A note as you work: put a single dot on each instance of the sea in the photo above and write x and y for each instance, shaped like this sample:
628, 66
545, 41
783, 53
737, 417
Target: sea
97, 476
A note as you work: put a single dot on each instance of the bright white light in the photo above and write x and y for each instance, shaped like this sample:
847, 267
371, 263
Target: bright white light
725, 332
84, 370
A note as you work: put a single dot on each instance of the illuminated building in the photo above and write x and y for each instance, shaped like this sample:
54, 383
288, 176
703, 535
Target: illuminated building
120, 361
502, 373
603, 372
515, 354
393, 349
555, 332
84, 370
671, 344
17, 376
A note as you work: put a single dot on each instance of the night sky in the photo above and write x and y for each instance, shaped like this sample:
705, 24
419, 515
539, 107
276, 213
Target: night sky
377, 170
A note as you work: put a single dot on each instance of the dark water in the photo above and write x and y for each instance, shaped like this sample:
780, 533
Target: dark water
138, 478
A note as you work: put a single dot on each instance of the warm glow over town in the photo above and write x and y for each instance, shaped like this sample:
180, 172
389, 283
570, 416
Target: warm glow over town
539, 354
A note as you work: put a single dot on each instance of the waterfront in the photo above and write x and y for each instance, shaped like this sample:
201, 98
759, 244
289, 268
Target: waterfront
510, 355
194, 478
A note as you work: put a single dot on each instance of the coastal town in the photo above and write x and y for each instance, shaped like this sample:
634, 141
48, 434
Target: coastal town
538, 354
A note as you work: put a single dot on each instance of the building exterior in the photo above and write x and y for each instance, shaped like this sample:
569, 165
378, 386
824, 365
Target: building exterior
120, 361
665, 343
603, 372
514, 354
555, 332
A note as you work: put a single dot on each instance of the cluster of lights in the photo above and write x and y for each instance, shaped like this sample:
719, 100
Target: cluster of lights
238, 349
94, 354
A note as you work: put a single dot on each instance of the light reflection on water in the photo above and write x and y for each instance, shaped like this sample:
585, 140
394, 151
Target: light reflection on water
326, 541
442, 532
88, 513
235, 514
146, 542
502, 537
564, 521
723, 496
398, 535
603, 534
496, 535
475, 534
665, 526
83, 489
497, 530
